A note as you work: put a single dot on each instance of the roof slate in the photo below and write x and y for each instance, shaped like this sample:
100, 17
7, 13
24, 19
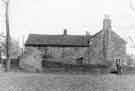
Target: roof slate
57, 40
64, 40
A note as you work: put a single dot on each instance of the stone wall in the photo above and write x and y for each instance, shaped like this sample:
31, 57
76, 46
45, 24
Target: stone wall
31, 60
96, 49
57, 52
115, 48
32, 57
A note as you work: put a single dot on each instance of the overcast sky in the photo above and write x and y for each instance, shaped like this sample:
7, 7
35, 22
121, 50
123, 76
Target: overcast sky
78, 16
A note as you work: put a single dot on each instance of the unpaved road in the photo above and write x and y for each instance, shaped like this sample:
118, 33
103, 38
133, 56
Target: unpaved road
65, 82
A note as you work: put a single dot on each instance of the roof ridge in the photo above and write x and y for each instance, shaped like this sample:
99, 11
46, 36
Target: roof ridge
57, 34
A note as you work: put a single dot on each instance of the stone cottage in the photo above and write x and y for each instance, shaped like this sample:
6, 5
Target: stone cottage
60, 46
100, 48
63, 48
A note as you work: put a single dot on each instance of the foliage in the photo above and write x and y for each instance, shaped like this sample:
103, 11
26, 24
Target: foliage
14, 48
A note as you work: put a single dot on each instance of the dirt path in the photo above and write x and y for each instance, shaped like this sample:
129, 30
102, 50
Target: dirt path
55, 82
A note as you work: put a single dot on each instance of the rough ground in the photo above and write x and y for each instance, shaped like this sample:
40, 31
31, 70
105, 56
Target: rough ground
65, 82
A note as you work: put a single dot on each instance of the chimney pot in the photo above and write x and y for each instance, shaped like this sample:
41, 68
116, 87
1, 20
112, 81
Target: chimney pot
65, 32
106, 22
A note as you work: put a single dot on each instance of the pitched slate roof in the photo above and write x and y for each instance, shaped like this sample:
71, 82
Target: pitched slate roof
116, 36
57, 40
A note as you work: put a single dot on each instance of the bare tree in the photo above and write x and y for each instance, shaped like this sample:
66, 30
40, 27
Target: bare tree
6, 2
131, 5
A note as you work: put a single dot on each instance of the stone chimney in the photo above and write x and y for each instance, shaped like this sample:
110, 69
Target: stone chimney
65, 32
107, 23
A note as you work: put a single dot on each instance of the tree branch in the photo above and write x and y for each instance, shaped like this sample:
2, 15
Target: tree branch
4, 1
1, 35
131, 5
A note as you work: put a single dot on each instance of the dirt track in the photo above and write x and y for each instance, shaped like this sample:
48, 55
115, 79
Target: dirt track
65, 82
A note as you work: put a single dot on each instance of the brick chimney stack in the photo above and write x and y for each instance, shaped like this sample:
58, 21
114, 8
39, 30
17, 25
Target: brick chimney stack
65, 32
107, 23
106, 28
